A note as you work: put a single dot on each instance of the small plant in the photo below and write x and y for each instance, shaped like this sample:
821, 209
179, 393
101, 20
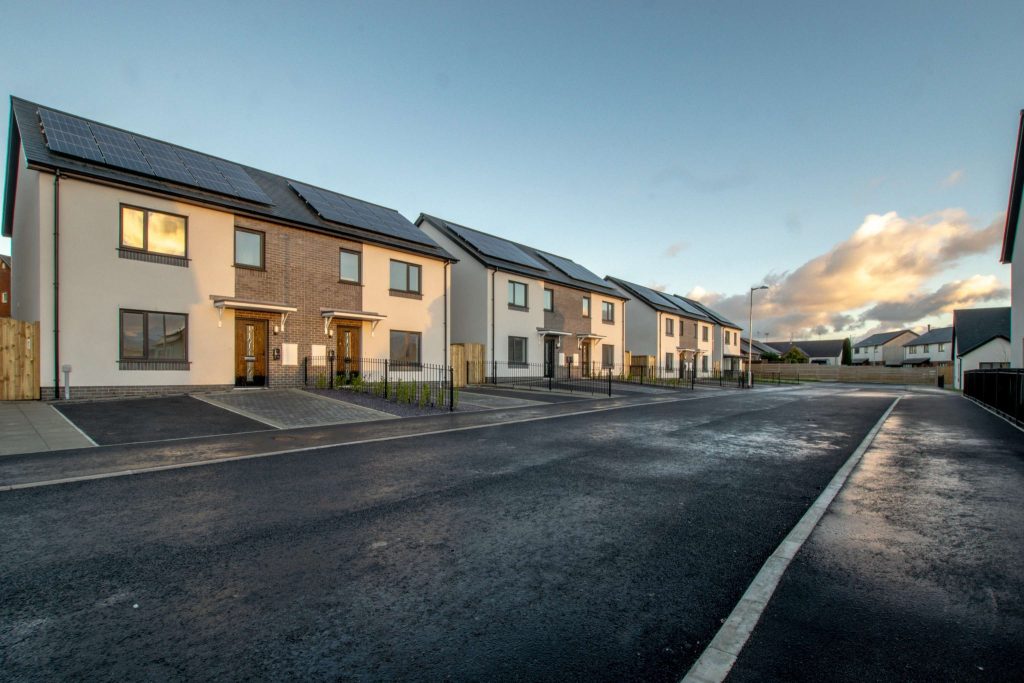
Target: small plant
321, 381
425, 395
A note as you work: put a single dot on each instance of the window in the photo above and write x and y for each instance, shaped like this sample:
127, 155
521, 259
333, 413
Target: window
405, 277
942, 347
405, 348
669, 360
993, 366
148, 336
517, 294
249, 248
153, 232
704, 333
704, 362
517, 350
4, 298
670, 327
607, 312
586, 307
608, 355
549, 300
350, 268
926, 348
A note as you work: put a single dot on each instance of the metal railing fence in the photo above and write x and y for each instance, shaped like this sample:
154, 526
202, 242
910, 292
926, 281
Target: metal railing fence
423, 384
1001, 390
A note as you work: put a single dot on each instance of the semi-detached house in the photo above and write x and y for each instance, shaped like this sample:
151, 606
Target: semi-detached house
154, 269
529, 308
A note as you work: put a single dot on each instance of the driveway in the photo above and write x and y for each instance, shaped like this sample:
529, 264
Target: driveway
291, 408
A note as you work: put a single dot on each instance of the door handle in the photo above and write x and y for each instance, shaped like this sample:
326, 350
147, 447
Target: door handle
250, 358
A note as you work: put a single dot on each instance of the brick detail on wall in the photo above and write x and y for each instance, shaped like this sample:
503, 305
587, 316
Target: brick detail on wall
568, 313
98, 392
302, 270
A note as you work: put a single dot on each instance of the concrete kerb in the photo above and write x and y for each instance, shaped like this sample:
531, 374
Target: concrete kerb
721, 654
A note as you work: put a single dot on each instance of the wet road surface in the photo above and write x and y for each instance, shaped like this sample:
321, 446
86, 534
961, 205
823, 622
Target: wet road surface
916, 572
605, 546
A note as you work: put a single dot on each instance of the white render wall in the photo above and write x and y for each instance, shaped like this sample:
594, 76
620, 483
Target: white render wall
27, 281
470, 280
995, 351
516, 323
934, 355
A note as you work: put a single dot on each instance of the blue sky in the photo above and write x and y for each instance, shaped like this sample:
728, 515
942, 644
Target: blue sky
688, 145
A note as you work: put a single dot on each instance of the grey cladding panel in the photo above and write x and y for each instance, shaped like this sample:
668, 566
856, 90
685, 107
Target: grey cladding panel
573, 269
495, 247
69, 135
339, 208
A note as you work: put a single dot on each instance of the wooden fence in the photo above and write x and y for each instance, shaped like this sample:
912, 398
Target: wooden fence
467, 358
19, 360
877, 374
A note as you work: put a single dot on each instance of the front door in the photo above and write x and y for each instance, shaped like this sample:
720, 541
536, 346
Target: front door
348, 349
250, 353
585, 359
549, 356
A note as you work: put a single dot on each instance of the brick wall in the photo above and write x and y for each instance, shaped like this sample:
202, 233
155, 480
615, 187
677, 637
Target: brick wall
568, 313
92, 393
302, 270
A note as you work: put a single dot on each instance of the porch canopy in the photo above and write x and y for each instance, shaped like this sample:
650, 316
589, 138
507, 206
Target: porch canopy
544, 332
220, 302
329, 314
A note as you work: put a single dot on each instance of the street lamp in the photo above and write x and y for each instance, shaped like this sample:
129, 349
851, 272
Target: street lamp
750, 337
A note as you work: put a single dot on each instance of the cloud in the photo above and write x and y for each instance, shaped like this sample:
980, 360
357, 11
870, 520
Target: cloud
954, 178
876, 276
675, 248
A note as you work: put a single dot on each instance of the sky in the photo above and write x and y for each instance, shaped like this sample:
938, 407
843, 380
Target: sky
855, 157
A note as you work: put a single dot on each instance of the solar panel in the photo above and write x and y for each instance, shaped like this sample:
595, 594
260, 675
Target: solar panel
119, 149
77, 137
69, 135
339, 208
573, 269
495, 246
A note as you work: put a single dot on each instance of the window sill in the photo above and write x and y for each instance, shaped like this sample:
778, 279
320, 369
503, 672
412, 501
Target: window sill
150, 257
153, 365
253, 268
350, 282
607, 322
405, 295
513, 307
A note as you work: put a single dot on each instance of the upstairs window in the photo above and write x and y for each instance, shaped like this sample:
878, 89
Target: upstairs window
249, 248
704, 333
549, 299
942, 347
350, 267
607, 312
517, 294
153, 232
405, 277
670, 327
926, 348
586, 307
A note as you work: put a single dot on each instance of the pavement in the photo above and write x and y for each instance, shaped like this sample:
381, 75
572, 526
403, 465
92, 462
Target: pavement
32, 426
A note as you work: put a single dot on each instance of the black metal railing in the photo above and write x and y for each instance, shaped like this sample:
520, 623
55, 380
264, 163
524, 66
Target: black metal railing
422, 384
682, 377
1001, 390
590, 379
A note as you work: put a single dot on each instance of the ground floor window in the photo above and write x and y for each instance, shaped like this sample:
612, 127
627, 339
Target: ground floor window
608, 355
704, 363
405, 348
517, 350
993, 366
153, 336
670, 361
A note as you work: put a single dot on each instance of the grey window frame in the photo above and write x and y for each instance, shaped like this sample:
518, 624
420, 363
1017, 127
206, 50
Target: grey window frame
670, 327
263, 248
408, 268
608, 355
608, 307
145, 233
398, 364
526, 352
512, 287
549, 296
704, 333
359, 264
145, 358
586, 307
669, 364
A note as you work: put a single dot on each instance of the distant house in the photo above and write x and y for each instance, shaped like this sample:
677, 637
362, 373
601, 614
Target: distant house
884, 348
818, 351
5, 286
934, 347
726, 350
1011, 248
760, 349
981, 340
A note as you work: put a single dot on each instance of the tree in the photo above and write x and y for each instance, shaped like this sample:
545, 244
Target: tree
769, 357
795, 355
847, 352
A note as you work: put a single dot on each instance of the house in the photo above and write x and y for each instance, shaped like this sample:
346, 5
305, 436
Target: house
981, 340
528, 306
759, 350
818, 351
1013, 253
934, 347
173, 270
883, 348
726, 347
5, 286
668, 328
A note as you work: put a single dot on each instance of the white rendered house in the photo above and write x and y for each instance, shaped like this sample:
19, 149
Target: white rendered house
981, 340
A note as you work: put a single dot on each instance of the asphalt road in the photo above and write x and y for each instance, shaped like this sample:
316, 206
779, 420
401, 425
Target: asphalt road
916, 572
605, 546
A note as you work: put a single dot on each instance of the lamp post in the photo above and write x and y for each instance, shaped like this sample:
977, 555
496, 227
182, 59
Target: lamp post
750, 338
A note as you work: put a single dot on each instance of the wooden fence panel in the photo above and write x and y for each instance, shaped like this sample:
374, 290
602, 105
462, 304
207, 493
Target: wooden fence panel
468, 358
19, 360
852, 373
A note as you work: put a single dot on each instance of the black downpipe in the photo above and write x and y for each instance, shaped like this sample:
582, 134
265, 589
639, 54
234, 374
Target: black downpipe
56, 285
447, 360
494, 358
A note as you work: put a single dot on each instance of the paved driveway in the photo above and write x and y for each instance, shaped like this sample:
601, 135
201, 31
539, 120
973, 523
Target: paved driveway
289, 408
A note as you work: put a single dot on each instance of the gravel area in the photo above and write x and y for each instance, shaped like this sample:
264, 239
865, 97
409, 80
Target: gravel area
371, 401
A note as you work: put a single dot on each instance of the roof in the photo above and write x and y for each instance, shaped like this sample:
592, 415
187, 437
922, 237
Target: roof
940, 335
759, 347
6, 259
813, 348
545, 261
287, 206
974, 327
715, 316
660, 301
881, 338
1016, 189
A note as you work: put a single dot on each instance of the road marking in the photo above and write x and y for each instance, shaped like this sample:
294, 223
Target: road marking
306, 449
720, 655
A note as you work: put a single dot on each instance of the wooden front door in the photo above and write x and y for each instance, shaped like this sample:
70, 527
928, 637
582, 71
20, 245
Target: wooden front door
549, 356
585, 359
250, 353
349, 348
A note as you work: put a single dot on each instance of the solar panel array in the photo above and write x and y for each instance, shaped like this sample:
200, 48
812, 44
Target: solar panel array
77, 137
495, 247
682, 304
573, 269
339, 208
